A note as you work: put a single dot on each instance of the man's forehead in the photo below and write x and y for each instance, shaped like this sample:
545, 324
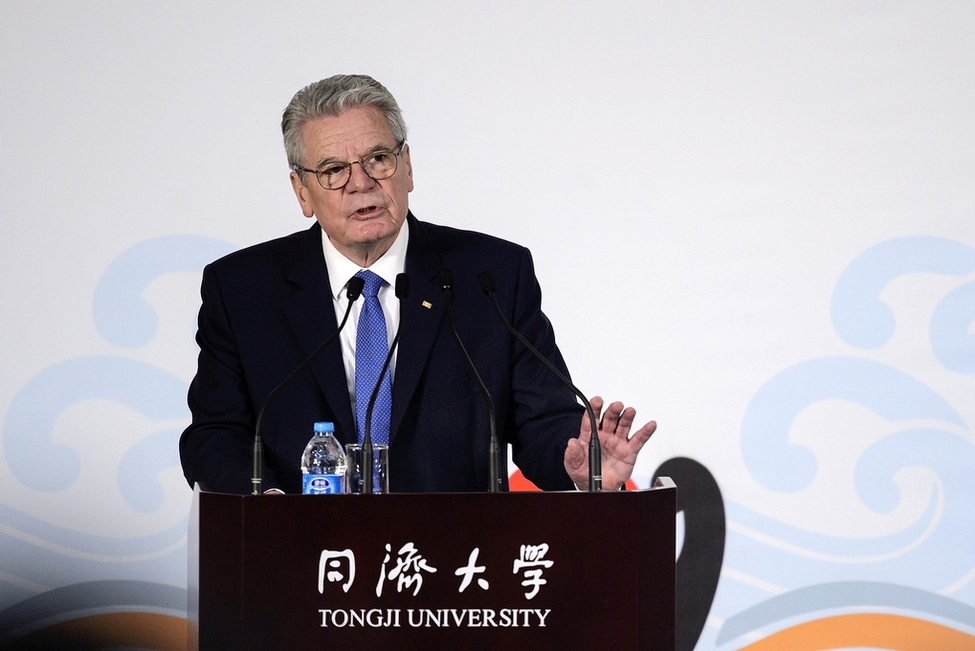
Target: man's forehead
355, 131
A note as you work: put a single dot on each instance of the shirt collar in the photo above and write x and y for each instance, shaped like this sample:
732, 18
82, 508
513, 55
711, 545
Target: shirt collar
341, 269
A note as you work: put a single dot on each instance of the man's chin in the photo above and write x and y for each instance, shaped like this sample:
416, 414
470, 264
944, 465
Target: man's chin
374, 232
368, 244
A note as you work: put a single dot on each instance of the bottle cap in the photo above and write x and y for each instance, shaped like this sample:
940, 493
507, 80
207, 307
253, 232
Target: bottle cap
324, 427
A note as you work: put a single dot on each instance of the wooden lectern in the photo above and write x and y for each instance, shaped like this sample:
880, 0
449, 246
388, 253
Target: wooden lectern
531, 571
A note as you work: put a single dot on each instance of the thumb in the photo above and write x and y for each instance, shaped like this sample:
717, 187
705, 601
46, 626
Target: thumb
575, 454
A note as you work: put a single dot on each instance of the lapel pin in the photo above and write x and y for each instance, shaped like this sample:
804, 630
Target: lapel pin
427, 304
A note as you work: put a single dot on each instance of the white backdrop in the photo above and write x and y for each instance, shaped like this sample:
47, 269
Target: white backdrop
752, 221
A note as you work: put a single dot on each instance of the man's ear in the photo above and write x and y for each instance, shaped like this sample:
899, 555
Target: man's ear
409, 165
301, 192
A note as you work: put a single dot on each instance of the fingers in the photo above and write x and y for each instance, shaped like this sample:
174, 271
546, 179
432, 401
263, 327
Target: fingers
645, 432
586, 428
611, 418
626, 420
639, 439
617, 420
597, 406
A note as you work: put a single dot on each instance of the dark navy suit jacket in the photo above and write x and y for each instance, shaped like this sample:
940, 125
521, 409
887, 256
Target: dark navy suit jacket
267, 307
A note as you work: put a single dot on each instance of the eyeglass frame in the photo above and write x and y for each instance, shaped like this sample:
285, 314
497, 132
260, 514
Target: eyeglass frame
396, 154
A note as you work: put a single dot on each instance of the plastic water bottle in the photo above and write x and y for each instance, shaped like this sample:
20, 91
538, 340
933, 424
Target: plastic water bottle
323, 463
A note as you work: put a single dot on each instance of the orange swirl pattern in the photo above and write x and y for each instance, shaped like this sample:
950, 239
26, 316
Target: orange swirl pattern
141, 630
876, 631
517, 482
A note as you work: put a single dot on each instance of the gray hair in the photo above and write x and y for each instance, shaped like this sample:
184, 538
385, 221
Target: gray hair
332, 97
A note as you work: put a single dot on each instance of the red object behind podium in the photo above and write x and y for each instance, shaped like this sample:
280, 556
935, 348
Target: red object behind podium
532, 571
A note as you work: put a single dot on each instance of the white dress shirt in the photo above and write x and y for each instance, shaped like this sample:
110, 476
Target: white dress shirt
340, 270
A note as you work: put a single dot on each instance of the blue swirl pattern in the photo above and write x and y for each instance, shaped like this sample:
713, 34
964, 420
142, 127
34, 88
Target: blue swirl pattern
39, 555
859, 317
789, 575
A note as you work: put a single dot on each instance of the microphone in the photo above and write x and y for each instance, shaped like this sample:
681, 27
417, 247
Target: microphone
402, 290
595, 451
446, 281
257, 476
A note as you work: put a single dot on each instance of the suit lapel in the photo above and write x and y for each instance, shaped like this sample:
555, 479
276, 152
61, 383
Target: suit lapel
312, 317
422, 313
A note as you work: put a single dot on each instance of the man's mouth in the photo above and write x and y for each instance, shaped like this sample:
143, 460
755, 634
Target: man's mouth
366, 210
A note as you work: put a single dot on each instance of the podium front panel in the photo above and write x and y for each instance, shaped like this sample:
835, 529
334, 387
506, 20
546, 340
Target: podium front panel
429, 571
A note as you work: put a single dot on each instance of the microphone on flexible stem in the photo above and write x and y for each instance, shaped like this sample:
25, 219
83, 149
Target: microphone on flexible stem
257, 476
595, 451
402, 290
446, 281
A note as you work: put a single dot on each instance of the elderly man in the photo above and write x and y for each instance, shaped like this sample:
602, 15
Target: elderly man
266, 308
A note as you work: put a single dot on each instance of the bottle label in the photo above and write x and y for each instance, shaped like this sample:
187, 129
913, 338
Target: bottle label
321, 484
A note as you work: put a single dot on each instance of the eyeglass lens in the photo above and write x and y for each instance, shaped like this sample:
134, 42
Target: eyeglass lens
379, 165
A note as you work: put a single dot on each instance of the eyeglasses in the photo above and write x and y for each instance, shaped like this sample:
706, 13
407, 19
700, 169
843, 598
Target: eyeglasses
378, 165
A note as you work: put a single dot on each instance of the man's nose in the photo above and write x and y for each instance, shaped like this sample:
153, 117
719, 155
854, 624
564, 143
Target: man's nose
358, 179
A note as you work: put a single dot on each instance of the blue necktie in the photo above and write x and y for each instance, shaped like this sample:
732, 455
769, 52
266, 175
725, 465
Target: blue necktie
371, 348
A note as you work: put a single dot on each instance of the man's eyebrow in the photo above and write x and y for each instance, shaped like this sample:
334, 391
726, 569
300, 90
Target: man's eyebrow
327, 161
372, 150
375, 148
